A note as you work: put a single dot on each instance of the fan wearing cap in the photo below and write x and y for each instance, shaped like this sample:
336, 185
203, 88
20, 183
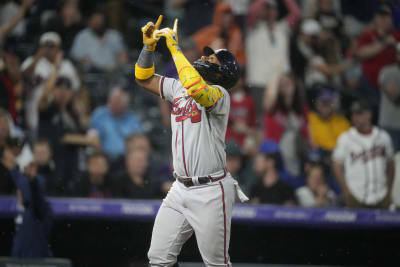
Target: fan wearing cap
326, 125
201, 199
38, 68
57, 119
389, 113
302, 49
376, 47
315, 56
363, 161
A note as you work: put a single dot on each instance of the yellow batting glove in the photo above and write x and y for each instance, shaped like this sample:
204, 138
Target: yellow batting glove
196, 87
149, 38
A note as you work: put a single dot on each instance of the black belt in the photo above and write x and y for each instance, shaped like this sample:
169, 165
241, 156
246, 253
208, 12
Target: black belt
188, 181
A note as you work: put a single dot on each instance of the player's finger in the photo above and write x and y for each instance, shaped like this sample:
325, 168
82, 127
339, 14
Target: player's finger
158, 23
147, 26
162, 32
175, 29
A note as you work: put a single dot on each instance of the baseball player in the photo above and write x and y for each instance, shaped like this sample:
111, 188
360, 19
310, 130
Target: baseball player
363, 162
201, 199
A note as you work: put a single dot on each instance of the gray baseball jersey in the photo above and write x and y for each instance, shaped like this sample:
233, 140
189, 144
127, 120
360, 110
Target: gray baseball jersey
198, 133
365, 159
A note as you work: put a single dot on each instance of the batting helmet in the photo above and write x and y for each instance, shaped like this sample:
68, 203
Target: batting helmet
225, 75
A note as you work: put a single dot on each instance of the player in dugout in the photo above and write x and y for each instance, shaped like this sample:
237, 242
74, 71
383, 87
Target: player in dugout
202, 197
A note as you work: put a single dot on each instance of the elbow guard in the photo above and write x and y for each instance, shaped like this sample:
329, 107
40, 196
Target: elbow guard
197, 88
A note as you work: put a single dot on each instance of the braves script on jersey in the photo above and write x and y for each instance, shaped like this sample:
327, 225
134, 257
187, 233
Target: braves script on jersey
365, 159
198, 135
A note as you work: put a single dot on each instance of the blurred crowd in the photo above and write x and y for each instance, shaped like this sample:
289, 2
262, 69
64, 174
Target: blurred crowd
72, 117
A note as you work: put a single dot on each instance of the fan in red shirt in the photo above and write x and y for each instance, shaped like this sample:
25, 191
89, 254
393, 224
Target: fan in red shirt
376, 47
285, 120
282, 103
242, 116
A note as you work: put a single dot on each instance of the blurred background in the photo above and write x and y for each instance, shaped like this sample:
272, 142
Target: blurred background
86, 153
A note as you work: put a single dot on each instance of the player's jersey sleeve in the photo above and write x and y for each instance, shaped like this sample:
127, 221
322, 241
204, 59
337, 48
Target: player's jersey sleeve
388, 145
221, 107
169, 87
339, 154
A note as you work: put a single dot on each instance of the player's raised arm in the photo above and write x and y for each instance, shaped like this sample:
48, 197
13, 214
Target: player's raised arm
144, 68
204, 94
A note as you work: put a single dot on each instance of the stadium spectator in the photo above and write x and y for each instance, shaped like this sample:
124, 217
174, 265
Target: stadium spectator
285, 120
34, 220
135, 182
316, 192
12, 135
10, 76
233, 158
270, 189
95, 183
240, 10
242, 115
58, 121
114, 122
132, 142
326, 124
192, 19
47, 169
161, 173
303, 48
328, 64
267, 42
320, 52
36, 71
138, 141
11, 18
4, 127
363, 161
327, 13
67, 23
11, 88
7, 163
99, 47
376, 48
389, 114
237, 167
224, 32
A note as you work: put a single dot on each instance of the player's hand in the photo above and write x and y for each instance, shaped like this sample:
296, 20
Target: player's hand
149, 39
171, 36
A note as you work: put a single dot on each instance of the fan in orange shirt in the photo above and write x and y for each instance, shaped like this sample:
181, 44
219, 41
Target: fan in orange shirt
224, 32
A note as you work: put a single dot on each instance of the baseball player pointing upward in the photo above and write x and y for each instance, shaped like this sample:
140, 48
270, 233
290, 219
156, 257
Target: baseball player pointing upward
201, 199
